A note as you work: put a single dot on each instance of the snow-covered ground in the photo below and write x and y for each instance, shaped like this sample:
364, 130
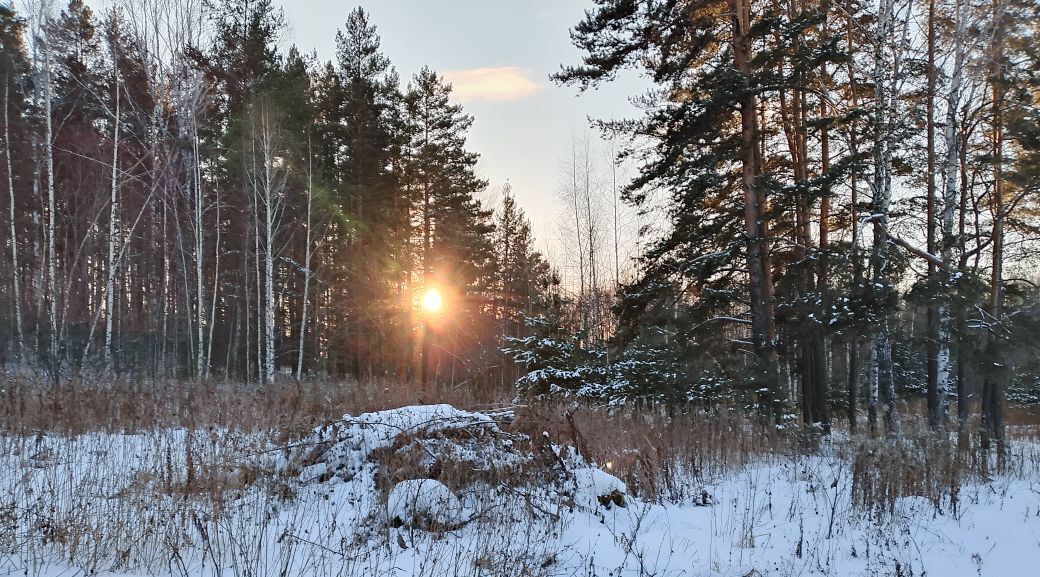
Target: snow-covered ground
125, 504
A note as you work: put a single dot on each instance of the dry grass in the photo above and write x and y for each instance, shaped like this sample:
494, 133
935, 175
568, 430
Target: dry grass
655, 451
78, 406
199, 457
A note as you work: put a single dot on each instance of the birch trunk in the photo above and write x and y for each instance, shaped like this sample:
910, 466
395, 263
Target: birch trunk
261, 338
306, 264
615, 200
267, 189
15, 271
268, 254
52, 265
872, 392
216, 285
113, 227
594, 331
932, 345
200, 252
949, 204
882, 194
577, 233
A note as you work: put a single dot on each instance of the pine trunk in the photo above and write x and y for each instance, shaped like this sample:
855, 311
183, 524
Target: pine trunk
759, 273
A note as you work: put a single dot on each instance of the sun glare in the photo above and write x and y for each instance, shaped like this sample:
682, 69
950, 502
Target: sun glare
431, 300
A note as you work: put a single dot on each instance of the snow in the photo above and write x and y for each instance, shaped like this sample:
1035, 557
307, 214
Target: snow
592, 484
775, 516
346, 445
423, 501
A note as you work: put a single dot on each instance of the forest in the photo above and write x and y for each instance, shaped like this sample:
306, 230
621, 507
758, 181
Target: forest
265, 314
186, 201
850, 195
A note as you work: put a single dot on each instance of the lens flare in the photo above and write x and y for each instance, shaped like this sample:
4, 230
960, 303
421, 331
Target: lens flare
431, 300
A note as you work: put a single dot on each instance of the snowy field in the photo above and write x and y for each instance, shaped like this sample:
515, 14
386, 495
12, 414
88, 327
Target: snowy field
352, 499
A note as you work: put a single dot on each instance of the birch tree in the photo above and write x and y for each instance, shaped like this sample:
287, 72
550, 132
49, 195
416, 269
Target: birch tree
306, 262
113, 220
51, 257
15, 269
267, 179
887, 49
950, 200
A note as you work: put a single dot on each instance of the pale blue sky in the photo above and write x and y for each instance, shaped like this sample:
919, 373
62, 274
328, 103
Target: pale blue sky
499, 54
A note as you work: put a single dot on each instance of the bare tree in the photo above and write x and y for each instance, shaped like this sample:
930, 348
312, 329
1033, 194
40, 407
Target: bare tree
575, 201
306, 262
268, 184
615, 200
594, 294
585, 193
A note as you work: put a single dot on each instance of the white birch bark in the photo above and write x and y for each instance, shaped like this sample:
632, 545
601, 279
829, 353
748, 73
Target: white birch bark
306, 265
52, 265
15, 271
268, 183
949, 206
261, 369
200, 251
268, 253
216, 285
113, 226
882, 191
872, 388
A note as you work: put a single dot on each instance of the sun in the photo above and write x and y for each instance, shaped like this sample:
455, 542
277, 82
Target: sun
431, 300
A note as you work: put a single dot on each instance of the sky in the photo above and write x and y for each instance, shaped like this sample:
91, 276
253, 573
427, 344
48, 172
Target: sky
498, 54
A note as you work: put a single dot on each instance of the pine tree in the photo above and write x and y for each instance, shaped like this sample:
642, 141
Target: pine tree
720, 69
522, 272
454, 230
370, 198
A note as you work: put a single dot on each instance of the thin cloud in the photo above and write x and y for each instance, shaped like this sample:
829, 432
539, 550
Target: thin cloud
496, 84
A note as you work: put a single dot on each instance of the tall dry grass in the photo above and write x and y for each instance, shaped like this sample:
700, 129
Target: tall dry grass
656, 451
79, 406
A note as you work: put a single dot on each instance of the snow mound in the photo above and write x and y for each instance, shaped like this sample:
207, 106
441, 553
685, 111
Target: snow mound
595, 487
407, 442
423, 503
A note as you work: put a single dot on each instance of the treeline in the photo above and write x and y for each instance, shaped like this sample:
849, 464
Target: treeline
843, 198
188, 201
853, 197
